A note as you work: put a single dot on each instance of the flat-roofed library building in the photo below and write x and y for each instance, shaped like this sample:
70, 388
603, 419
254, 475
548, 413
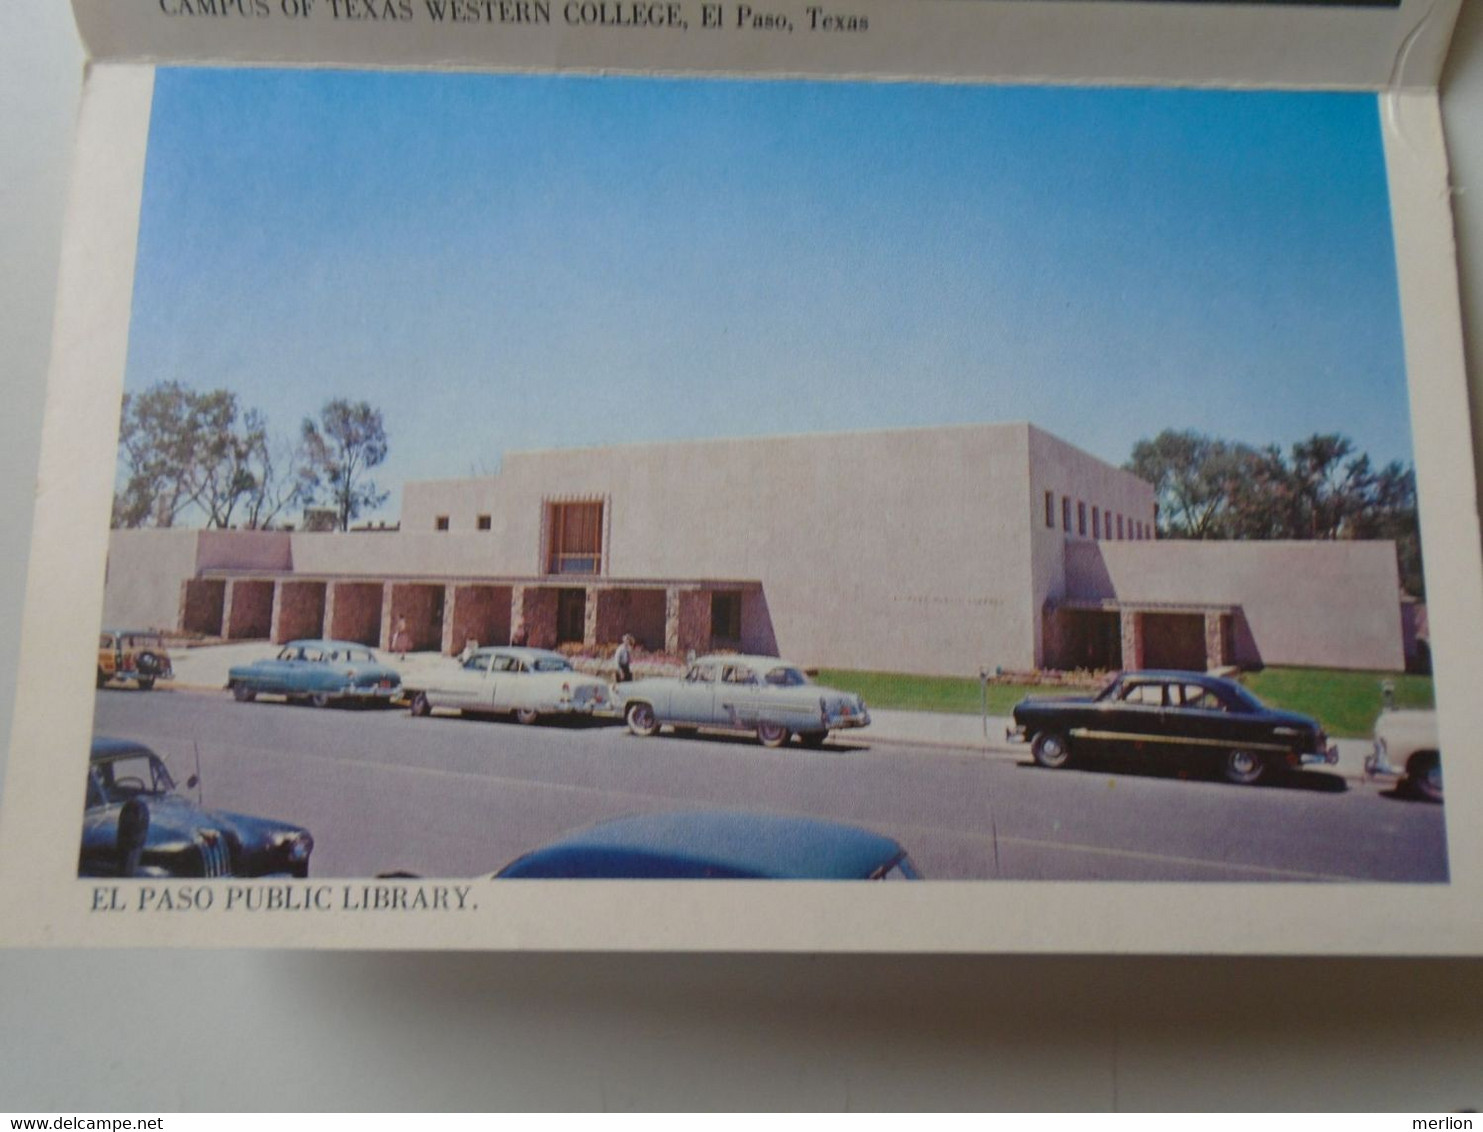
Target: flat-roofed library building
935, 550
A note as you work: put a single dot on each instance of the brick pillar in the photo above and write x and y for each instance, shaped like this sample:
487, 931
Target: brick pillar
517, 610
448, 645
226, 610
589, 617
1214, 653
1131, 623
671, 620
687, 621
388, 626
275, 624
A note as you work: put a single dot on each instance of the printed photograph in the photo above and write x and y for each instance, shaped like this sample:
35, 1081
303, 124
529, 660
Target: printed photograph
613, 477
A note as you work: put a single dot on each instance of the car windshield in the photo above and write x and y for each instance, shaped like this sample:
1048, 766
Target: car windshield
903, 868
552, 664
128, 776
1242, 700
786, 677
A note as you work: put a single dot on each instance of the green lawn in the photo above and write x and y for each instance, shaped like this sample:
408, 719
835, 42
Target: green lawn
1346, 703
956, 694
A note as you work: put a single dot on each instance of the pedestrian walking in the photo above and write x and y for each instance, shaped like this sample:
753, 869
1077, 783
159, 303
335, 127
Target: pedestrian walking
624, 659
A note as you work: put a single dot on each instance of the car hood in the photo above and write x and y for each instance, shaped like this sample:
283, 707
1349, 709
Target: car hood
1292, 719
174, 820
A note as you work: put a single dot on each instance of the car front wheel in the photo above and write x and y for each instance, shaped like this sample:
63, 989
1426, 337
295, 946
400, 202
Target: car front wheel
1051, 750
526, 715
242, 693
420, 706
642, 721
320, 699
772, 734
146, 683
1244, 767
1425, 776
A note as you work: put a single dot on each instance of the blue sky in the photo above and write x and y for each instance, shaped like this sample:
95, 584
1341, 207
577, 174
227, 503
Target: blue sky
509, 262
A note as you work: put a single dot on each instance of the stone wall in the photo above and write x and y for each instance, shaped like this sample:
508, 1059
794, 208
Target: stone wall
202, 601
477, 613
353, 612
298, 611
248, 613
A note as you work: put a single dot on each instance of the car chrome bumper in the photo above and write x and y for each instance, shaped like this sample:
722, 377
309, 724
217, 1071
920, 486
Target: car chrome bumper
1329, 756
376, 693
1016, 735
571, 707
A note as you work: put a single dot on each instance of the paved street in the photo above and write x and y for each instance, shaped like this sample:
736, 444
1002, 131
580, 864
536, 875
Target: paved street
450, 797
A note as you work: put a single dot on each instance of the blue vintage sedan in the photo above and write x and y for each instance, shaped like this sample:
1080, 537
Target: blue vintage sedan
322, 672
136, 824
717, 845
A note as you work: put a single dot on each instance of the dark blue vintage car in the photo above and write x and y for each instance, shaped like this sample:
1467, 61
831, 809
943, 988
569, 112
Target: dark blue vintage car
135, 824
321, 672
1198, 721
717, 845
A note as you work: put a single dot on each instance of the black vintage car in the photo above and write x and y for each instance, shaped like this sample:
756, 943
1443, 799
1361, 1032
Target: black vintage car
136, 825
1201, 721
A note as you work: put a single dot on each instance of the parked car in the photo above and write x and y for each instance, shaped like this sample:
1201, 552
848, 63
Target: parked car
1406, 748
128, 654
528, 682
761, 694
135, 824
322, 672
1200, 721
717, 845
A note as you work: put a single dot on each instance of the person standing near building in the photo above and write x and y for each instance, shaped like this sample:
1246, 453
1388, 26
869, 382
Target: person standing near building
401, 640
624, 659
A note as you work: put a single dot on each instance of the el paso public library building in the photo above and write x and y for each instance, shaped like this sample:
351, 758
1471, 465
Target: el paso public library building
937, 550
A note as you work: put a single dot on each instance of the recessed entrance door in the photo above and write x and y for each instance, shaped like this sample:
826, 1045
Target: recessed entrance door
571, 616
1174, 640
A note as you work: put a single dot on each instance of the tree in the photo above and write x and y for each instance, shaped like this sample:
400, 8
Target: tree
184, 452
1323, 488
347, 441
1193, 476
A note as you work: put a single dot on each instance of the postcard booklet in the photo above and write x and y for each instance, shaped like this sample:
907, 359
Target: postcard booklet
923, 475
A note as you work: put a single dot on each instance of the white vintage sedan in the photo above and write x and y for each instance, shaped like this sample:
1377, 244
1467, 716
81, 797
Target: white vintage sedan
530, 683
760, 694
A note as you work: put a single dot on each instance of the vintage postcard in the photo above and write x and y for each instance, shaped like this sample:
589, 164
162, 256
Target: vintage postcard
507, 510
